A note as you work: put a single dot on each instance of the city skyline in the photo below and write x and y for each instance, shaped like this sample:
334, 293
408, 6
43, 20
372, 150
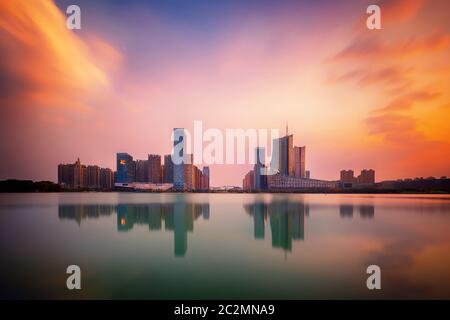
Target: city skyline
367, 98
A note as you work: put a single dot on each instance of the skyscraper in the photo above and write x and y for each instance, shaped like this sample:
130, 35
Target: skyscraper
300, 162
282, 155
347, 176
178, 158
366, 176
260, 169
154, 168
168, 169
126, 169
106, 178
205, 178
142, 171
189, 172
93, 176
76, 175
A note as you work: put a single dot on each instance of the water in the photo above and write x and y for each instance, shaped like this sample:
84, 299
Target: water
232, 246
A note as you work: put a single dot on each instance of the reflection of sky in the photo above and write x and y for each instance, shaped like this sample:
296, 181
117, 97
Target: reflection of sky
294, 253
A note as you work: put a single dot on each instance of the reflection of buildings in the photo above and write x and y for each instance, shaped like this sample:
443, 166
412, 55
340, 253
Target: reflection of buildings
178, 217
287, 221
84, 211
366, 211
346, 211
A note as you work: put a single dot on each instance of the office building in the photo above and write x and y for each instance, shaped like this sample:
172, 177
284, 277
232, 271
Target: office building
168, 169
248, 183
205, 178
366, 176
290, 183
282, 155
76, 176
189, 172
154, 168
126, 168
347, 176
178, 158
106, 179
259, 169
93, 177
299, 162
142, 170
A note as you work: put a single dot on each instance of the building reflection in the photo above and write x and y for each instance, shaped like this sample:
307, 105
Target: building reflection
287, 221
178, 217
79, 212
346, 211
366, 211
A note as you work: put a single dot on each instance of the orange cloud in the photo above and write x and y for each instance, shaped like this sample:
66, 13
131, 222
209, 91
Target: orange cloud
369, 46
406, 101
49, 65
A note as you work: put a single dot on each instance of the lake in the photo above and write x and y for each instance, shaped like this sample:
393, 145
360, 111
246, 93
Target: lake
224, 246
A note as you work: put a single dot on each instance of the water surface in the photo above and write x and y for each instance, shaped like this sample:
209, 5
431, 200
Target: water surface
232, 246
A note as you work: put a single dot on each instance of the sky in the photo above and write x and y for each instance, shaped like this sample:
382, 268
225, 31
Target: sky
356, 98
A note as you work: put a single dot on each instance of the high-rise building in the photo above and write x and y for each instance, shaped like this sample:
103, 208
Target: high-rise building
154, 168
308, 174
142, 170
366, 176
93, 177
126, 168
282, 155
178, 158
189, 172
168, 169
106, 178
205, 178
75, 176
260, 170
300, 162
347, 176
248, 184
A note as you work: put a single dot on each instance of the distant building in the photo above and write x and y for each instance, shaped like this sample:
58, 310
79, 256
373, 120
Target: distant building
126, 168
142, 170
72, 175
259, 169
308, 174
205, 178
248, 183
347, 176
106, 179
189, 172
348, 180
75, 176
154, 168
290, 183
168, 169
93, 177
178, 159
366, 177
300, 162
282, 155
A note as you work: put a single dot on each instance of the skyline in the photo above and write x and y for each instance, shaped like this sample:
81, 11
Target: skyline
365, 99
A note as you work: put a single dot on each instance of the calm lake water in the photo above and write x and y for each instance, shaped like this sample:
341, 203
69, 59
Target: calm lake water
232, 246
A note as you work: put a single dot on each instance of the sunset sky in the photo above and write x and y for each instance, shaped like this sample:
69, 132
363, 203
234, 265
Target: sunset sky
357, 98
